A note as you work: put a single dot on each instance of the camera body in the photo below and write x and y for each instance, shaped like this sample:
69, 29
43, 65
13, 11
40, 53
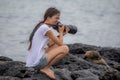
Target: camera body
73, 29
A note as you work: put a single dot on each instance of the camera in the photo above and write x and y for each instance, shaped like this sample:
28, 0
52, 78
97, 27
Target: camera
73, 29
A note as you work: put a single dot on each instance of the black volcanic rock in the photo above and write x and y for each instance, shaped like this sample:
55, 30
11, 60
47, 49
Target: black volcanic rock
113, 75
71, 67
63, 74
3, 58
9, 78
84, 75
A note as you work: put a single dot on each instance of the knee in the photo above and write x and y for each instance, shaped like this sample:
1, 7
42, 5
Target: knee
65, 49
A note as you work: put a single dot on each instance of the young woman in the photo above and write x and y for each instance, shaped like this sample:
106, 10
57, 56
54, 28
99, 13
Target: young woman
45, 47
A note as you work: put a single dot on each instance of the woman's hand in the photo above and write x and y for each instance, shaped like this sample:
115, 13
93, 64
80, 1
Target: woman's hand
67, 29
61, 29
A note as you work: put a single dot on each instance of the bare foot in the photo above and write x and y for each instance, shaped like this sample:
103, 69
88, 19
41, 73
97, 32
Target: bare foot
48, 72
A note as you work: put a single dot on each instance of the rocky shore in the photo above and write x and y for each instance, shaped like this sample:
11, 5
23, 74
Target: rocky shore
71, 67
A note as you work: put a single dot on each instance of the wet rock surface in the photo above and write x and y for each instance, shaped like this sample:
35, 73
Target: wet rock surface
71, 67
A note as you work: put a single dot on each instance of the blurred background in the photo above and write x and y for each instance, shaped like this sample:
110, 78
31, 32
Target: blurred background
98, 23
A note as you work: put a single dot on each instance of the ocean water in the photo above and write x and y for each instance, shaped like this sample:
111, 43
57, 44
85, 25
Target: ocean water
98, 23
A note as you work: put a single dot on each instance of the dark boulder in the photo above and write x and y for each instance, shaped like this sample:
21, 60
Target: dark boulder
72, 67
3, 58
84, 75
63, 74
9, 78
112, 75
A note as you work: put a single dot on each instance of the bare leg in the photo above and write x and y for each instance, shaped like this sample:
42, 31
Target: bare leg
53, 56
55, 59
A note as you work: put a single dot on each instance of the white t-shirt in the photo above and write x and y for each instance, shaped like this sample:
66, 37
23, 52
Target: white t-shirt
39, 42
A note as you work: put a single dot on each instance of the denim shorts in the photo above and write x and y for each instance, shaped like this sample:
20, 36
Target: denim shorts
42, 63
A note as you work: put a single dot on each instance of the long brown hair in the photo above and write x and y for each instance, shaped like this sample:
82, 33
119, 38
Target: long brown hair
49, 13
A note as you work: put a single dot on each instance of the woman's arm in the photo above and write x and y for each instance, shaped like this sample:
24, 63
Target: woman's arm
51, 43
55, 39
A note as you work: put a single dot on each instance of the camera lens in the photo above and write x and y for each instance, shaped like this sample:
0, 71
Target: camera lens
73, 29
